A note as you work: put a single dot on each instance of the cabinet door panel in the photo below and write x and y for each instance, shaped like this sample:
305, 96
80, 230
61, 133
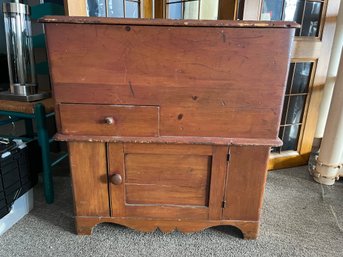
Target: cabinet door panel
162, 181
167, 179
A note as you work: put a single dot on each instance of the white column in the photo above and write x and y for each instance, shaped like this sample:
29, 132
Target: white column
329, 161
331, 76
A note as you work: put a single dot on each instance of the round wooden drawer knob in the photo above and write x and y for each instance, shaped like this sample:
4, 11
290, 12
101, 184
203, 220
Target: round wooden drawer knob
116, 179
109, 120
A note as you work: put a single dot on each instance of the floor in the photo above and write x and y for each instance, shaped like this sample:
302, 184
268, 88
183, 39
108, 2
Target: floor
300, 218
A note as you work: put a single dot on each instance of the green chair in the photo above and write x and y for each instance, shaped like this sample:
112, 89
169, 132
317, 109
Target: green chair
37, 112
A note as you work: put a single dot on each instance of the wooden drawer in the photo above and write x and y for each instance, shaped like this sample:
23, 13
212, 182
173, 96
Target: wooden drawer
109, 120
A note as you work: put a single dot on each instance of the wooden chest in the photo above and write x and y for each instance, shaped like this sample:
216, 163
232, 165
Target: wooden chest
169, 123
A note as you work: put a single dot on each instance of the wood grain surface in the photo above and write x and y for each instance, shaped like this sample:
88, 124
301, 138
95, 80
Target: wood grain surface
180, 96
91, 120
218, 174
175, 140
165, 66
250, 229
245, 182
89, 178
115, 159
160, 180
167, 179
168, 22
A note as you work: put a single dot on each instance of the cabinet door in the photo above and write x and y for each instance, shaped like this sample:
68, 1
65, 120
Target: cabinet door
166, 181
245, 182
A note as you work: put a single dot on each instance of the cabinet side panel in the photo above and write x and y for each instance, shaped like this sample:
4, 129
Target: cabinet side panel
89, 176
245, 183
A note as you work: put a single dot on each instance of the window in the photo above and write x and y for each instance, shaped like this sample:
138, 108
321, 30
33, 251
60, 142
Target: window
305, 12
168, 9
294, 105
191, 9
114, 8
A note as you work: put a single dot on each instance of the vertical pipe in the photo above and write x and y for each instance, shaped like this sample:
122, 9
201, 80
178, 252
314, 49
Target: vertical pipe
106, 8
30, 46
331, 150
19, 49
8, 23
331, 75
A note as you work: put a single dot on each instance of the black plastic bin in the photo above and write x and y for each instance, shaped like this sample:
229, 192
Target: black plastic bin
15, 175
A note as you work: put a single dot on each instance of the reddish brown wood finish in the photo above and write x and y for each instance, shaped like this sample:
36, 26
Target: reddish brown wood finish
250, 229
172, 140
166, 22
182, 112
245, 182
147, 66
89, 177
165, 181
105, 120
218, 174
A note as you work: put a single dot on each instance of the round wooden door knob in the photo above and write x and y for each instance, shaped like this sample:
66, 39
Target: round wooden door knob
116, 179
109, 120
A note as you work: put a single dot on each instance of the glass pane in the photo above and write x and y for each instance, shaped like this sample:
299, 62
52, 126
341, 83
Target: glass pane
284, 110
293, 11
240, 10
311, 19
191, 10
275, 149
290, 138
295, 109
174, 10
131, 9
302, 77
116, 8
96, 8
209, 9
281, 132
271, 10
290, 78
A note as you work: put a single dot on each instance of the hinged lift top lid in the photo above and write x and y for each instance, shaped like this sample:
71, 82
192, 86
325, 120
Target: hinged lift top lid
169, 22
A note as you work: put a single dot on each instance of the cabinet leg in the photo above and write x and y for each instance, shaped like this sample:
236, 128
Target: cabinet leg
85, 226
250, 231
81, 230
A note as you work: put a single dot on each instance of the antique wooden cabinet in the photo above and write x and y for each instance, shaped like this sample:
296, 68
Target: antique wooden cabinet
169, 123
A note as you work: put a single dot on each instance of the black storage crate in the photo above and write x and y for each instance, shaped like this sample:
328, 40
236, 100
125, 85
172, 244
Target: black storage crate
15, 176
